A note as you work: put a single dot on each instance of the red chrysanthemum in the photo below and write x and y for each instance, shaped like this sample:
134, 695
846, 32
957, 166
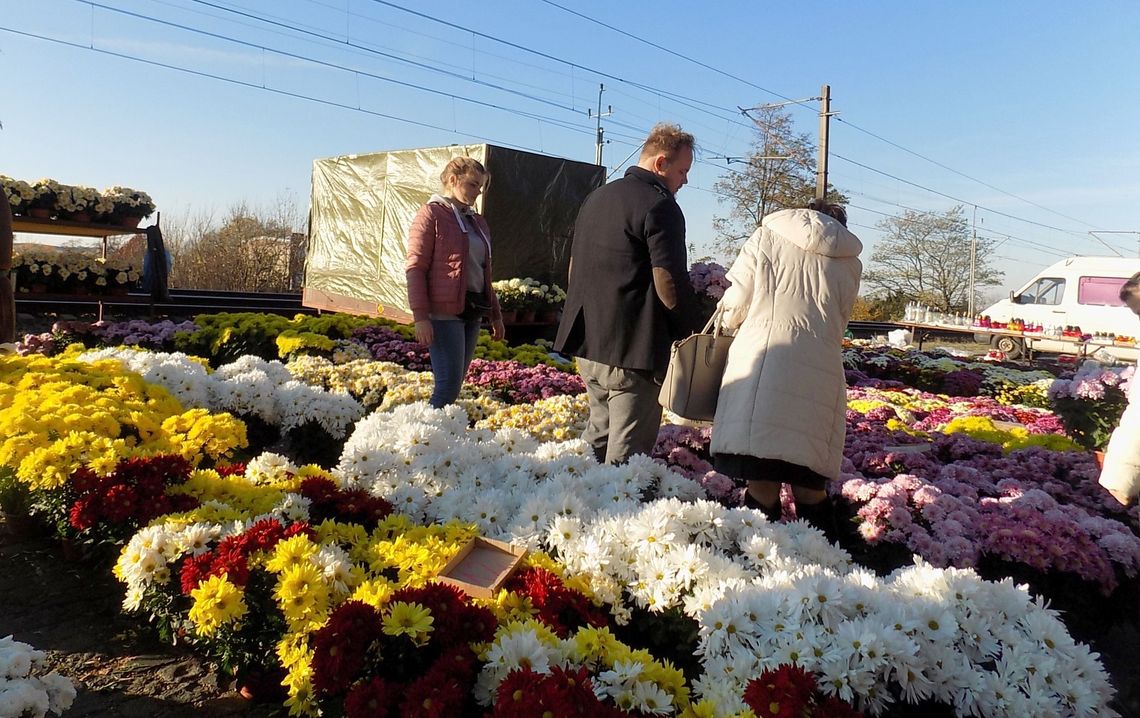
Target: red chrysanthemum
374, 698
784, 692
341, 646
559, 607
84, 513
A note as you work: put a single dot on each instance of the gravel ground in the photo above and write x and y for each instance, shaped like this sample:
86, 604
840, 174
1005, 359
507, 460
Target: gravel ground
72, 612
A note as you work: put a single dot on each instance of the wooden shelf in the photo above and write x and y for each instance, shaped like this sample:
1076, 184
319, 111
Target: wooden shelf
32, 225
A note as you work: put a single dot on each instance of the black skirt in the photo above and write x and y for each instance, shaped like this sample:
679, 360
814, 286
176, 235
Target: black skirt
744, 468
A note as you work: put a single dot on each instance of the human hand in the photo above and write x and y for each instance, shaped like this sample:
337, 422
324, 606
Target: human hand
498, 330
424, 333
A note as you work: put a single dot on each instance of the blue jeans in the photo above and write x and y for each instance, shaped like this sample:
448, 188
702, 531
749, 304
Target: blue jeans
451, 350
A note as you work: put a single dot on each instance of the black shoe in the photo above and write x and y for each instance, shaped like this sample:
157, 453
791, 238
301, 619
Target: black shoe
822, 516
773, 512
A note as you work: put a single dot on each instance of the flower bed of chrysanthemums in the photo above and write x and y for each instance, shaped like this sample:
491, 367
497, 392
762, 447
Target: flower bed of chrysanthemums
278, 489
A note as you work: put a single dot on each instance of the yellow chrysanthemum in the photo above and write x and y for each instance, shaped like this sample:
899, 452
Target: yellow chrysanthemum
408, 619
591, 644
704, 709
301, 701
293, 648
376, 592
301, 593
290, 552
217, 602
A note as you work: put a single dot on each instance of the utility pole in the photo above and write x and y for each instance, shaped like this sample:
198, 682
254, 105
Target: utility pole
973, 266
824, 122
600, 132
825, 114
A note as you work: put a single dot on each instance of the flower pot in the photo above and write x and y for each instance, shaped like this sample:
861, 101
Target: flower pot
81, 217
72, 551
261, 686
1099, 456
129, 221
39, 212
526, 316
21, 525
37, 288
547, 316
510, 316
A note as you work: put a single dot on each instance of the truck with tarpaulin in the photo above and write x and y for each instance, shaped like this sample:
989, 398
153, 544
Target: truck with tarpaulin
363, 205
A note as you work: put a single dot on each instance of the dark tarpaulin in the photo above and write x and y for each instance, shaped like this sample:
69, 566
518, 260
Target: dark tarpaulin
531, 205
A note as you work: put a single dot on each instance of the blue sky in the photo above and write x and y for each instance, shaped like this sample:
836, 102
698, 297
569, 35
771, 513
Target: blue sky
1027, 109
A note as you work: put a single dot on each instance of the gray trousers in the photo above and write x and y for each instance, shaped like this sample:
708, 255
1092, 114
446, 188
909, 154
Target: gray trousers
624, 413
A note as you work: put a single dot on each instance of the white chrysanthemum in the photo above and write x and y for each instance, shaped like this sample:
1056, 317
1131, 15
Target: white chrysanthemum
564, 530
269, 468
294, 507
511, 650
336, 567
409, 500
195, 539
935, 623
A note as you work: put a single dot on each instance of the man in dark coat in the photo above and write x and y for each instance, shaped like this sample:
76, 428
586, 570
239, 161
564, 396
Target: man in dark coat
629, 295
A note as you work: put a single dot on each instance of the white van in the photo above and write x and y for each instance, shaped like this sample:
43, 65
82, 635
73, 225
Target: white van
1076, 292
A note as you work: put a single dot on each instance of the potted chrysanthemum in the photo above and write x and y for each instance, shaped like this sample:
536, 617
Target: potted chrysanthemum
76, 202
18, 193
42, 203
131, 206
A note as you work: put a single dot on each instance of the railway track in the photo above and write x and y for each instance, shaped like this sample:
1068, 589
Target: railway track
188, 302
183, 303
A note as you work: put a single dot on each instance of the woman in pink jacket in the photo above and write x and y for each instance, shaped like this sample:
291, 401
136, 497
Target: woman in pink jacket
449, 276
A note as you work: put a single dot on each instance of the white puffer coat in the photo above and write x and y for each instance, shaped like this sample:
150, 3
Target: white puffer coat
1121, 472
784, 395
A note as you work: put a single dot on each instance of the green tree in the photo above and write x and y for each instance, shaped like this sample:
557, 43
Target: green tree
778, 173
925, 256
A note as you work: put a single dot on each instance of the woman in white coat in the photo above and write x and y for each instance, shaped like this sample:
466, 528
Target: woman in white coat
1121, 472
781, 413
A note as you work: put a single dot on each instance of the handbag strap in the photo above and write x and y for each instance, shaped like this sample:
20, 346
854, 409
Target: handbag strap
713, 326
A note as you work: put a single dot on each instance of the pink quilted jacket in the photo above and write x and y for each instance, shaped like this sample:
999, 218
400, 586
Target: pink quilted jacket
437, 263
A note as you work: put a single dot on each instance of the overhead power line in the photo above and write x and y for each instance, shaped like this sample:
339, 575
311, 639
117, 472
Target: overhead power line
264, 88
729, 112
958, 199
745, 81
370, 50
960, 174
526, 114
664, 49
325, 63
935, 214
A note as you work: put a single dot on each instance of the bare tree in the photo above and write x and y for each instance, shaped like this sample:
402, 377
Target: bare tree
925, 256
778, 173
250, 249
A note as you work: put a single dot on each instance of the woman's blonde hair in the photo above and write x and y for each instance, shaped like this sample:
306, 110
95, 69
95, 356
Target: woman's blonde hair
463, 167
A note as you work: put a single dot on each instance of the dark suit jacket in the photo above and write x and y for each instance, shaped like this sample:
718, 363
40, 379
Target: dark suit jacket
613, 313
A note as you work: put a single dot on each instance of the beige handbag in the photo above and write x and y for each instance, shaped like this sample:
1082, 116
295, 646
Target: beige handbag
696, 367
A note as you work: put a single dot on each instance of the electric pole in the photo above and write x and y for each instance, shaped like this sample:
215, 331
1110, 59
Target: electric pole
600, 132
973, 266
824, 122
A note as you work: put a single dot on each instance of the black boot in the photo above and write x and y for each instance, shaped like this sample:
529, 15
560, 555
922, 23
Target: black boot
822, 516
772, 512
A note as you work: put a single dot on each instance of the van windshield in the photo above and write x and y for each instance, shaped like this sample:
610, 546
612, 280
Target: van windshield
1047, 290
